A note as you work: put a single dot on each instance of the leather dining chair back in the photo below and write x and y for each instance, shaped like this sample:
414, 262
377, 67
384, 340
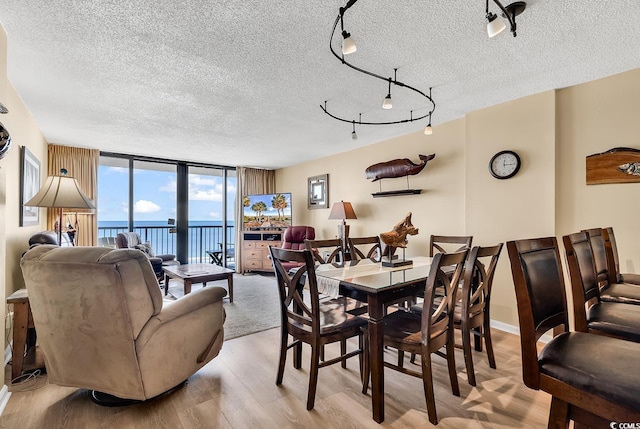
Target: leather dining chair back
326, 251
591, 314
615, 276
593, 379
294, 237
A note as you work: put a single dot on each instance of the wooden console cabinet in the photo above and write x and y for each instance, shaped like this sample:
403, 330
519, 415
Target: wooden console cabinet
255, 249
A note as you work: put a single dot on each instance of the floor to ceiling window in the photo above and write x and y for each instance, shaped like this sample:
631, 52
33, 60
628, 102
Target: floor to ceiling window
179, 208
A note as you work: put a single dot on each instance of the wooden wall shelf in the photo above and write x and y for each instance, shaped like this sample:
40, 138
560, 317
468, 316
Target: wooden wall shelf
396, 193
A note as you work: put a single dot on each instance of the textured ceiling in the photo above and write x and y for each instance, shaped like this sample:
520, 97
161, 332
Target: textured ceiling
240, 82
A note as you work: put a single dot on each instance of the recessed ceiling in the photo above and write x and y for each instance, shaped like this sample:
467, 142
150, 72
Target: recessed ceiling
241, 82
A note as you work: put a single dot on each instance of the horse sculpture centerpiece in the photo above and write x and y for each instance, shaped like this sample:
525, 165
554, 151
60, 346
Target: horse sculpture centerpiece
395, 238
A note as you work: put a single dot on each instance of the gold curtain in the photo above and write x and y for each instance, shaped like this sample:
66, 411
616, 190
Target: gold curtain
250, 181
82, 164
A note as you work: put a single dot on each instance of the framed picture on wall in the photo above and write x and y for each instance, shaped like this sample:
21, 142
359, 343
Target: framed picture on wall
318, 190
29, 186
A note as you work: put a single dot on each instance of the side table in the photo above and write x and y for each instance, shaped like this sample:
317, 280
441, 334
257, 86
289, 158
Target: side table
26, 355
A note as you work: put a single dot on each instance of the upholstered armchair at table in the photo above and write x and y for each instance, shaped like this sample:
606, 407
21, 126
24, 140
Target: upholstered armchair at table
132, 240
102, 325
294, 237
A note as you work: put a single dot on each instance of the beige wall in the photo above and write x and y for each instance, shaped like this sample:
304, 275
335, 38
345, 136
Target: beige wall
24, 132
553, 132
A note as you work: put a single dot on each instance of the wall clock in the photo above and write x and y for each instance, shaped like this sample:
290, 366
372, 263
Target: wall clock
504, 164
5, 141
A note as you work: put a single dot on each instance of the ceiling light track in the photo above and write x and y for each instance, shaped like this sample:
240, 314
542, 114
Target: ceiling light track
349, 47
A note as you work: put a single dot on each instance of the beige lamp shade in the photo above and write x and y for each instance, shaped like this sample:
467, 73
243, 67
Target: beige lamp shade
342, 210
61, 192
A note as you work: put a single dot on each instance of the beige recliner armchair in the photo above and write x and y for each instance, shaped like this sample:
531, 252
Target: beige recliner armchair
101, 323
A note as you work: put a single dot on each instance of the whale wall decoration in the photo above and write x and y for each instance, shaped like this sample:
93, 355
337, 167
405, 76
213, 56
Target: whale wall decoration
397, 168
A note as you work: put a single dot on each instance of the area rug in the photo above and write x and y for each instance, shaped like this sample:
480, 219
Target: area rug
255, 304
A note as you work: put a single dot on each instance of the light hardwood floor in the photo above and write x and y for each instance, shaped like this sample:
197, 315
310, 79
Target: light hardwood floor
237, 390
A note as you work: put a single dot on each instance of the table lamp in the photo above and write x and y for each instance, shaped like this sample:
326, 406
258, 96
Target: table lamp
343, 210
61, 192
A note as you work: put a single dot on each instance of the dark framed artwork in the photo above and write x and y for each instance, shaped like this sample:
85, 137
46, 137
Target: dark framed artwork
318, 190
29, 186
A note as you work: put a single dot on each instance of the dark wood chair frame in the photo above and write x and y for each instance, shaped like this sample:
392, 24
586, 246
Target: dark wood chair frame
302, 321
375, 252
585, 289
536, 263
436, 243
333, 244
436, 328
613, 262
476, 299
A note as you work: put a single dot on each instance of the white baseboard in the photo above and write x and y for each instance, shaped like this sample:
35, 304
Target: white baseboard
515, 330
4, 398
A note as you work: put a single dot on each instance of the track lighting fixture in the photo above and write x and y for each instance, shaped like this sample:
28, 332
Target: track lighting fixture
495, 25
428, 130
354, 136
386, 103
348, 44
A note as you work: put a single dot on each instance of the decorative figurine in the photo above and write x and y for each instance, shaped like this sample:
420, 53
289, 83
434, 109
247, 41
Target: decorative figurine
397, 237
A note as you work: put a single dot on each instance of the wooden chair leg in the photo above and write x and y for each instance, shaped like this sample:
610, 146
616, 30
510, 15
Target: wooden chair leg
413, 358
477, 338
427, 382
313, 375
283, 356
343, 351
451, 363
400, 358
468, 358
364, 362
489, 344
558, 414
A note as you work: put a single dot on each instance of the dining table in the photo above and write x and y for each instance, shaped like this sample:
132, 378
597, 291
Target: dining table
369, 281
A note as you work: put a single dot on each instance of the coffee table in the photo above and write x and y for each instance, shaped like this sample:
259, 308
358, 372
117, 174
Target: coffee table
197, 273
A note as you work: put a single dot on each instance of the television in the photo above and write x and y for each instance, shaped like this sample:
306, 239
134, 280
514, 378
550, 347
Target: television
266, 211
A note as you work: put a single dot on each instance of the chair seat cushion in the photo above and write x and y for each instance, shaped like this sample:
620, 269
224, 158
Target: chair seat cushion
405, 326
603, 366
621, 292
621, 320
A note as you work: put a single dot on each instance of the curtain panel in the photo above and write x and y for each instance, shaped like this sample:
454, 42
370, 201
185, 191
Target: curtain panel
82, 164
250, 181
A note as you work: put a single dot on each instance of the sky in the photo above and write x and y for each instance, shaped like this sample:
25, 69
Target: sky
155, 195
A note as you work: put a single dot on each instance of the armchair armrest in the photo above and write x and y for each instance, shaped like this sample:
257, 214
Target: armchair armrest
166, 257
181, 338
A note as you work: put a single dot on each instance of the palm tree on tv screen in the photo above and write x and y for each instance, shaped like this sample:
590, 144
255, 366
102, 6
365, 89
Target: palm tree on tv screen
259, 207
279, 202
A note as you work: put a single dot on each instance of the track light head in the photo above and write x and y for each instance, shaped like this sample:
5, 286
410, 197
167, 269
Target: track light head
428, 130
348, 44
495, 25
386, 103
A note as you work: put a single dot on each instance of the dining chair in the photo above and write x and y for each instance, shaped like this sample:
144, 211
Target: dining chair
449, 243
311, 322
592, 379
615, 276
472, 311
609, 291
374, 252
430, 331
326, 251
591, 314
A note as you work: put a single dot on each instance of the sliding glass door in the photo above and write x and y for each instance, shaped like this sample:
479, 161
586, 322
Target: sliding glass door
179, 208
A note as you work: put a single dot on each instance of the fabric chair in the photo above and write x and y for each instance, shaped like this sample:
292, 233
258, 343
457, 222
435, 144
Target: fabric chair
592, 379
591, 314
472, 312
102, 324
374, 252
428, 332
49, 237
132, 240
615, 276
293, 239
312, 322
609, 291
443, 243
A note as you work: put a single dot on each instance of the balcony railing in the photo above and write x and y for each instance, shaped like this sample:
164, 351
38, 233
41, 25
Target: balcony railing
201, 239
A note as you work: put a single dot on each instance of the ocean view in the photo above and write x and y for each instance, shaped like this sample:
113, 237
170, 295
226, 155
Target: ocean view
156, 223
